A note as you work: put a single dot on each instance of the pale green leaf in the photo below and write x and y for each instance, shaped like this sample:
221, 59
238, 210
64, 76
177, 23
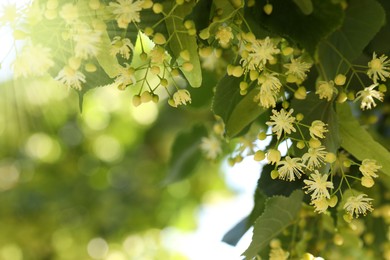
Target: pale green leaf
183, 41
280, 212
358, 142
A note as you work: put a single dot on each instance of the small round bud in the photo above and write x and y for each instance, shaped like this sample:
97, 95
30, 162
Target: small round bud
287, 51
243, 85
347, 163
243, 92
164, 82
191, 31
300, 93
231, 162
157, 8
90, 67
382, 88
143, 56
273, 156
187, 66
50, 14
367, 181
185, 54
340, 79
342, 97
175, 73
261, 136
147, 4
238, 159
314, 143
204, 34
330, 157
333, 201
274, 174
351, 95
338, 240
253, 75
300, 117
136, 100
148, 31
155, 70
146, 97
268, 9
155, 98
171, 102
259, 156
285, 104
301, 145
189, 24
159, 39
237, 71
251, 3
230, 69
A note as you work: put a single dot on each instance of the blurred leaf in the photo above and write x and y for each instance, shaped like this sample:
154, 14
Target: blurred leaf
306, 30
181, 40
244, 113
280, 212
185, 154
358, 142
306, 6
201, 14
363, 19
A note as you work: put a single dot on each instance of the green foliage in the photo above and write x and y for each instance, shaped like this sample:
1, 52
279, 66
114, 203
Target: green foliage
280, 212
357, 141
185, 154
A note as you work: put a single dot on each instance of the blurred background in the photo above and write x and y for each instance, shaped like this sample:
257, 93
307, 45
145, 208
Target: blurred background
88, 185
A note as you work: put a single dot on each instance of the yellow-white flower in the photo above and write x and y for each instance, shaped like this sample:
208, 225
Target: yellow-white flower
289, 168
224, 35
273, 156
297, 68
314, 157
260, 52
318, 185
282, 121
33, 61
278, 254
70, 77
122, 47
211, 146
158, 54
269, 89
378, 68
317, 129
181, 97
325, 90
126, 11
367, 96
357, 205
369, 168
86, 41
126, 76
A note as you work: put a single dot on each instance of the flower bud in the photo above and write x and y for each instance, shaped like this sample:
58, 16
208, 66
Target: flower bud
259, 156
273, 156
268, 9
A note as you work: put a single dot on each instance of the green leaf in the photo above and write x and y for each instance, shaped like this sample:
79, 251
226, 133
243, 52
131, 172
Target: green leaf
185, 154
363, 19
358, 142
280, 212
306, 6
183, 41
306, 30
244, 113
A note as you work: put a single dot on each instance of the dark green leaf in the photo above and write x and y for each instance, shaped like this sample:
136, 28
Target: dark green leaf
280, 212
306, 30
363, 19
185, 154
358, 142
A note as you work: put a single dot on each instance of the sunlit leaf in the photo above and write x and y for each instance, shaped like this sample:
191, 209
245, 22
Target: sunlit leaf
280, 212
358, 142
